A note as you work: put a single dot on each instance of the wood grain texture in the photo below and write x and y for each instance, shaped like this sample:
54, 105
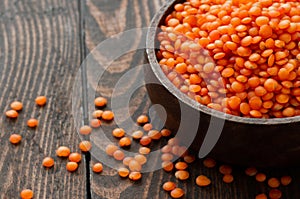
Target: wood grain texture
104, 19
39, 55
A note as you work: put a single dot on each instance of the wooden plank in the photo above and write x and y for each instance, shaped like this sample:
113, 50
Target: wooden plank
40, 55
102, 20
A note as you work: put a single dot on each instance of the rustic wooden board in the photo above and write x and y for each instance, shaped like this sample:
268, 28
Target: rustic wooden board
39, 55
104, 19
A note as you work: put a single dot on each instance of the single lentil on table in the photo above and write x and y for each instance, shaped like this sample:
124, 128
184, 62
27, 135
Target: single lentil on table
239, 57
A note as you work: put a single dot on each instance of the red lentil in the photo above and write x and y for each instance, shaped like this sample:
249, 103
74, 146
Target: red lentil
145, 140
147, 127
118, 132
225, 169
167, 166
275, 194
41, 100
228, 178
209, 163
108, 115
251, 171
137, 134
203, 181
142, 119
118, 155
16, 105
63, 151
285, 180
95, 123
273, 182
85, 146
98, 167
169, 186
15, 138
182, 175
26, 194
135, 175
48, 162
110, 149
75, 157
97, 114
260, 177
177, 193
100, 101
11, 114
261, 196
144, 150
72, 166
123, 172
85, 130
165, 132
32, 123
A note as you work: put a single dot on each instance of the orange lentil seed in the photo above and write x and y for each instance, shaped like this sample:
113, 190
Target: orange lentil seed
273, 183
228, 178
72, 166
63, 151
100, 101
16, 105
209, 163
95, 123
110, 149
97, 167
41, 100
135, 175
145, 140
118, 132
275, 194
181, 165
169, 186
251, 171
15, 138
97, 114
137, 134
32, 123
142, 119
225, 169
26, 194
260, 177
85, 130
75, 157
85, 146
108, 115
285, 180
144, 150
147, 127
11, 114
123, 172
119, 155
203, 181
182, 175
261, 196
48, 162
177, 193
165, 132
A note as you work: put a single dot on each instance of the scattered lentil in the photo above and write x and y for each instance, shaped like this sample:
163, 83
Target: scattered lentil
41, 100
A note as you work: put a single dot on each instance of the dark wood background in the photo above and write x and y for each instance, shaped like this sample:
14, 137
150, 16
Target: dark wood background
42, 44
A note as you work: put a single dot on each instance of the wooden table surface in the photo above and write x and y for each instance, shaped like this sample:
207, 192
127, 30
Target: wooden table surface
43, 43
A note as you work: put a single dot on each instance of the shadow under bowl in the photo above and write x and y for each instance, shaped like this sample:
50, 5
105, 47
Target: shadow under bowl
243, 141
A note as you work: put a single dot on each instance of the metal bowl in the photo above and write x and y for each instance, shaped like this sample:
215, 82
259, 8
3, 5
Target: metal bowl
243, 141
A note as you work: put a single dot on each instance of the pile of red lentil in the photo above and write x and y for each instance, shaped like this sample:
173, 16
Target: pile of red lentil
240, 57
175, 158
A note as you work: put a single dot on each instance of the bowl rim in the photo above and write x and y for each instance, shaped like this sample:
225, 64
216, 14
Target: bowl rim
156, 69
